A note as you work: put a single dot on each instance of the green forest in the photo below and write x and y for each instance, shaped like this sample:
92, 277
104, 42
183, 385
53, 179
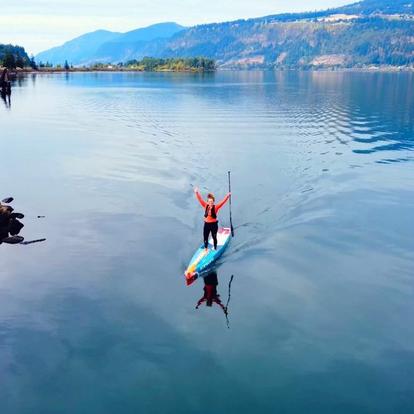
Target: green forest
197, 64
150, 64
13, 57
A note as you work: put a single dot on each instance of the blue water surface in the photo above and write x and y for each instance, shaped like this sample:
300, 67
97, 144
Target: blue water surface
98, 319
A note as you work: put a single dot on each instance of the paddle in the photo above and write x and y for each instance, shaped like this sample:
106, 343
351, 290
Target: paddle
231, 223
226, 312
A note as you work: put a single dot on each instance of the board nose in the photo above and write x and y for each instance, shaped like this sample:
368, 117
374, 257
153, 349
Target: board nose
190, 277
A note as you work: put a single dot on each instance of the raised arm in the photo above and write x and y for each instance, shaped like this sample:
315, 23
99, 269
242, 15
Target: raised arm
222, 202
199, 198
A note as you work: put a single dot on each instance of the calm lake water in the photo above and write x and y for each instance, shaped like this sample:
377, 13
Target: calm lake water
98, 319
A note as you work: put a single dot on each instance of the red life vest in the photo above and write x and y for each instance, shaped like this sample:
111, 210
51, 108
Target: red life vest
212, 212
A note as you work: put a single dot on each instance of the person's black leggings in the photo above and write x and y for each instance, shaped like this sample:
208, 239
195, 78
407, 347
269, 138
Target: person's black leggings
213, 228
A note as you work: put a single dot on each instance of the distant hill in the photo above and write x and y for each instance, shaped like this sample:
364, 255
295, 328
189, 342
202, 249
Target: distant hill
78, 49
108, 46
323, 42
370, 32
136, 43
368, 7
362, 8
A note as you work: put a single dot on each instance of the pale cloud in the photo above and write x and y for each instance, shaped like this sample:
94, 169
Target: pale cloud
41, 24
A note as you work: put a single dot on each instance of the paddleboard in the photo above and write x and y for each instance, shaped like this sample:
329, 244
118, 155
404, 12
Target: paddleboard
202, 260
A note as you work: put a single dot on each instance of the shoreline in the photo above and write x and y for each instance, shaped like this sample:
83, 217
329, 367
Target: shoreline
369, 69
92, 70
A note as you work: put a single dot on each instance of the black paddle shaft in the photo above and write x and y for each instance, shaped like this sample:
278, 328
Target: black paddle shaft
231, 222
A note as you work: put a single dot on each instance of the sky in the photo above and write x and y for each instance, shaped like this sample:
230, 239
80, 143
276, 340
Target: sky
38, 25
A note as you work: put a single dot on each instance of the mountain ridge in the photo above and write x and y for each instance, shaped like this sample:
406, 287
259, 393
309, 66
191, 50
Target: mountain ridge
99, 44
369, 32
78, 48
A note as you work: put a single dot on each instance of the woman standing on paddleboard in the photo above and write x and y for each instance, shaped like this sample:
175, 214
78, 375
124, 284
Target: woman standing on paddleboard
210, 215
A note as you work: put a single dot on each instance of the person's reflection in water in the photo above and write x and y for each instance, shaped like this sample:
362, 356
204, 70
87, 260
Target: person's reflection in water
210, 292
5, 87
211, 296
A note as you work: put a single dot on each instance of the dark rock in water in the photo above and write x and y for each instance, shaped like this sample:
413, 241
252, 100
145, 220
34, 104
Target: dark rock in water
15, 227
7, 200
10, 226
17, 215
5, 212
12, 240
6, 209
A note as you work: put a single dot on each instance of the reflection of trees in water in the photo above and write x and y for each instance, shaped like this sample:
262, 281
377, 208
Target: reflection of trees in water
20, 79
373, 109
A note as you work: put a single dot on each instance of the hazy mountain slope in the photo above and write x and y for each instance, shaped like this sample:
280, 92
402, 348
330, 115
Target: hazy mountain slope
107, 46
136, 43
155, 31
77, 49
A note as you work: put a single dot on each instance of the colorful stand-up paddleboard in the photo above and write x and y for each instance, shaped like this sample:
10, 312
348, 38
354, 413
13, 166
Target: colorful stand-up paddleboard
202, 260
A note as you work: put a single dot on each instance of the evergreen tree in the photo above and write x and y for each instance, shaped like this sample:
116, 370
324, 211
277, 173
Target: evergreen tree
9, 61
33, 63
19, 62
